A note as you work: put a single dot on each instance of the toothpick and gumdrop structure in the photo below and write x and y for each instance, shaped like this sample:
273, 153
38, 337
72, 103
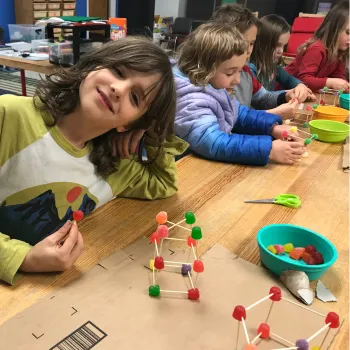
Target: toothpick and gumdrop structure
264, 330
158, 263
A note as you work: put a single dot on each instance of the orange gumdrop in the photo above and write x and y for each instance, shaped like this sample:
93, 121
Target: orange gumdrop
296, 253
162, 217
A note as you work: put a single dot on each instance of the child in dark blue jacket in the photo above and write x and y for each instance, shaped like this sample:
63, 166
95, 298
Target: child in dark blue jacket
211, 120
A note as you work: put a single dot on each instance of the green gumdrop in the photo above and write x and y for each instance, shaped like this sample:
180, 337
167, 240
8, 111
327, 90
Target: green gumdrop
314, 136
154, 291
196, 233
325, 88
307, 141
190, 218
315, 106
305, 125
340, 91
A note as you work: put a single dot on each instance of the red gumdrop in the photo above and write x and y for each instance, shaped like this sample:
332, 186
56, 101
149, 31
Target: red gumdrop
284, 134
73, 194
264, 329
308, 108
162, 217
312, 261
322, 103
277, 294
333, 319
190, 241
154, 237
198, 266
306, 257
318, 257
163, 231
239, 313
159, 263
193, 294
78, 215
310, 249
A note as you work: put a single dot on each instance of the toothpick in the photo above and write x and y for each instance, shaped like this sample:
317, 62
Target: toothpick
153, 276
156, 245
292, 348
318, 332
174, 225
325, 337
176, 262
175, 265
189, 276
256, 338
245, 330
315, 312
307, 133
161, 246
195, 282
194, 253
238, 324
269, 313
173, 291
258, 302
285, 340
175, 239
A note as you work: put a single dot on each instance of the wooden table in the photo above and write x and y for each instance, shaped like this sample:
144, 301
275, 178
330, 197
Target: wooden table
215, 192
44, 67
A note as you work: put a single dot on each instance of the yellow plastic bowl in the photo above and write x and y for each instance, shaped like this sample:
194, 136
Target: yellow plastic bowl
331, 113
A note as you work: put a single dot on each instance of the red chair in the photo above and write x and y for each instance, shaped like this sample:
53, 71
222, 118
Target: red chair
302, 30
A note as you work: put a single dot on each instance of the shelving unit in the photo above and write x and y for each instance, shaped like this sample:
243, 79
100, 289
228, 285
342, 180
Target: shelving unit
29, 11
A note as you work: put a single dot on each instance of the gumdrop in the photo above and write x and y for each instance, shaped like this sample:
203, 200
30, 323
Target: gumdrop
279, 249
325, 89
306, 257
333, 319
305, 125
277, 294
340, 91
185, 269
78, 215
154, 291
293, 129
190, 218
302, 344
193, 294
192, 241
198, 266
151, 265
315, 347
312, 261
284, 134
159, 263
272, 249
318, 257
264, 329
296, 253
251, 346
162, 217
311, 249
239, 312
163, 231
154, 237
305, 155
307, 141
287, 121
315, 106
288, 247
322, 103
308, 108
314, 136
196, 233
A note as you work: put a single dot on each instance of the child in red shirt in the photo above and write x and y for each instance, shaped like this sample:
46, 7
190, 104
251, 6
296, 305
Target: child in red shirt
321, 60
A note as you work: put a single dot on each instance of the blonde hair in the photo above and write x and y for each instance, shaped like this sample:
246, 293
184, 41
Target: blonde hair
206, 48
329, 31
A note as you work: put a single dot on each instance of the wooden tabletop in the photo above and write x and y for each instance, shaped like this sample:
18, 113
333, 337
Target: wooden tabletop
215, 192
44, 66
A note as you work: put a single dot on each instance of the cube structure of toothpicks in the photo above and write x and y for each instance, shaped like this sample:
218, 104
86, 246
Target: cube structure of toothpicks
157, 263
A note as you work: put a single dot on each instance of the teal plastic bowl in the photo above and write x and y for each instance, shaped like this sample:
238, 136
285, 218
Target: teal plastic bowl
345, 101
300, 237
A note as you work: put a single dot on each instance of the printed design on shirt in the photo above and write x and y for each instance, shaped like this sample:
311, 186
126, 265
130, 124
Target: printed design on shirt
37, 212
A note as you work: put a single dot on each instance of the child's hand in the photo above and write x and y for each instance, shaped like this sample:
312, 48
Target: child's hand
51, 254
337, 84
286, 110
277, 131
301, 92
285, 152
125, 143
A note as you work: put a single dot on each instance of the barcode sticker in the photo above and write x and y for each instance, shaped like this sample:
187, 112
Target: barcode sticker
83, 338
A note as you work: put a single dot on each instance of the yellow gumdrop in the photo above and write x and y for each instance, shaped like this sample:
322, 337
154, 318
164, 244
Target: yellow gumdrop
151, 264
315, 348
272, 249
287, 121
293, 129
288, 247
305, 155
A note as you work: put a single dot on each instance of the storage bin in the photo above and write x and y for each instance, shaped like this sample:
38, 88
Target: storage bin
26, 32
55, 13
39, 6
54, 6
40, 14
69, 6
68, 13
39, 1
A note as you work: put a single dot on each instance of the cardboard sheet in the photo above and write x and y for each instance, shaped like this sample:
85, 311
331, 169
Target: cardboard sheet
109, 308
346, 156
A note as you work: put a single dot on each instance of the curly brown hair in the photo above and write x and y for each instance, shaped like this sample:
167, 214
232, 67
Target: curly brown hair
58, 94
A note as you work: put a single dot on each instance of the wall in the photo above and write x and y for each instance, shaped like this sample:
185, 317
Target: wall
170, 8
7, 16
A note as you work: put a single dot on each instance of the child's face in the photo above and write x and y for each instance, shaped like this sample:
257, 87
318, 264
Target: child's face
113, 100
250, 37
344, 38
282, 42
228, 73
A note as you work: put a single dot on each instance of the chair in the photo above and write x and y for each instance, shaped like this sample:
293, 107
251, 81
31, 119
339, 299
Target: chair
302, 30
314, 15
